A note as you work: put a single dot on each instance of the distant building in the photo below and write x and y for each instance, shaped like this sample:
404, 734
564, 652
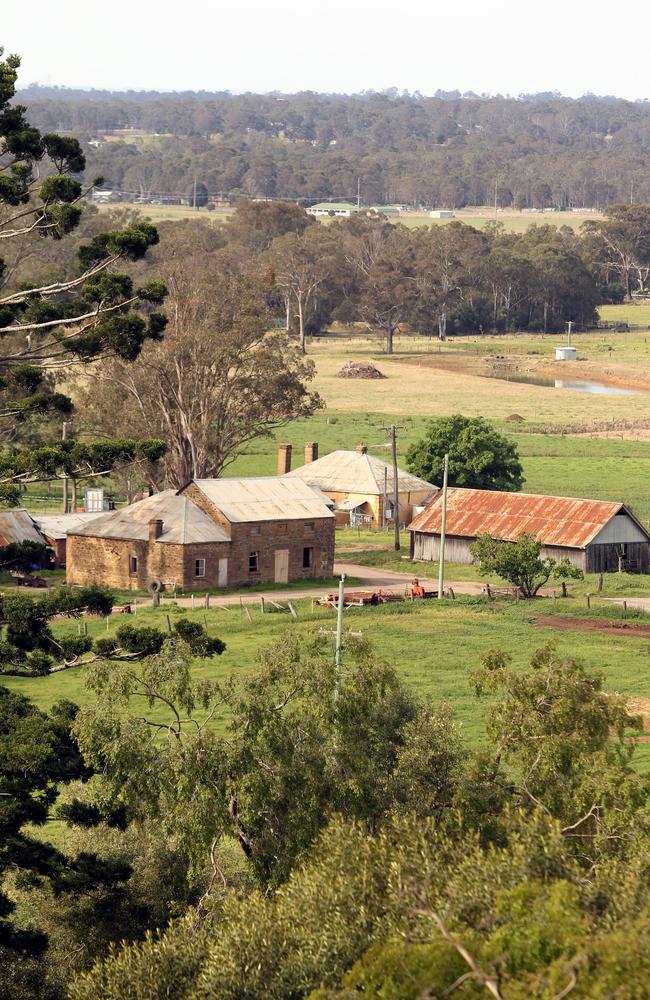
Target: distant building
442, 213
594, 535
102, 196
360, 485
385, 210
338, 209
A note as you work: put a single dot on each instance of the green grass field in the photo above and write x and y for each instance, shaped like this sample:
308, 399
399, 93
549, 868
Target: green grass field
433, 646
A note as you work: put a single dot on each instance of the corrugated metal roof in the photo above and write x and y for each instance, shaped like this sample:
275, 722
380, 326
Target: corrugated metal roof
18, 526
58, 525
564, 521
356, 472
183, 521
263, 498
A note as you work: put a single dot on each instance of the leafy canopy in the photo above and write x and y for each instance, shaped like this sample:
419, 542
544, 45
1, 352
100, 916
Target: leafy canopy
479, 457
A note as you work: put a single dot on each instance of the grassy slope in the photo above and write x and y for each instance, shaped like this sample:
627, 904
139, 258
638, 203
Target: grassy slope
434, 647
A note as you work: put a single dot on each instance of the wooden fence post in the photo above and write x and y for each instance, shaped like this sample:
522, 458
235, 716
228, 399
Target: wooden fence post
588, 597
600, 583
262, 605
169, 624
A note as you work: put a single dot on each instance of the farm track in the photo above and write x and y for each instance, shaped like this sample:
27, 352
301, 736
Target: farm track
635, 630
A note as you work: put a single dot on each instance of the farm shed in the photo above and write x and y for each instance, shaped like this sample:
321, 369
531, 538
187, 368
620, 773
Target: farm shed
595, 535
55, 528
18, 526
362, 486
339, 209
212, 533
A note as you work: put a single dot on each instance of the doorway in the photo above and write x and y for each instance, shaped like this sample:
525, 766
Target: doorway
281, 566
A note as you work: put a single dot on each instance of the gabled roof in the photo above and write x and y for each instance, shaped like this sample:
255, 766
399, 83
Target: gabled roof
57, 526
183, 521
263, 498
356, 472
564, 521
18, 526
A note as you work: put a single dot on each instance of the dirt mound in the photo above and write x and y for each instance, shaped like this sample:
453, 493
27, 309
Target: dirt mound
516, 418
356, 369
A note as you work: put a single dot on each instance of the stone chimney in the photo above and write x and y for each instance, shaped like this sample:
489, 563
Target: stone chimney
362, 448
284, 459
311, 452
155, 529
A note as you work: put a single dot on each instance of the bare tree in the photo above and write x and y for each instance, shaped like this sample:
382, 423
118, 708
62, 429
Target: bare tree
217, 381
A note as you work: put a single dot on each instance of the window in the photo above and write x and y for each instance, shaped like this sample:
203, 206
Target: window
309, 525
307, 558
199, 567
253, 561
255, 529
133, 564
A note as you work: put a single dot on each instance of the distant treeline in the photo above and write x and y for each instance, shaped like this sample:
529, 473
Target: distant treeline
450, 150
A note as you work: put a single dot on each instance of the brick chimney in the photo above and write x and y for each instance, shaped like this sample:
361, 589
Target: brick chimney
155, 529
362, 448
284, 459
311, 452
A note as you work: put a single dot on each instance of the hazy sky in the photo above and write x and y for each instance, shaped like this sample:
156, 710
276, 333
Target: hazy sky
496, 46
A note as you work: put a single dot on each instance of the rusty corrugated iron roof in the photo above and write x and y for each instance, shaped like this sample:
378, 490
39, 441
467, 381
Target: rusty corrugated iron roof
564, 521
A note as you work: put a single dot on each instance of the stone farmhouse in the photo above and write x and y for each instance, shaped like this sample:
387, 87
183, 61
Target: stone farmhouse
595, 535
226, 533
360, 484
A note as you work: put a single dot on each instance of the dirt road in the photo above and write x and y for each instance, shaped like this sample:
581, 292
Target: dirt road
370, 579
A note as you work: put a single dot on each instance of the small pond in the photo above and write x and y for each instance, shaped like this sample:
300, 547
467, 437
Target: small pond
578, 385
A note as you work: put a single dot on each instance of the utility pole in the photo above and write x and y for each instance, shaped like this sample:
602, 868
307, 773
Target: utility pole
569, 325
339, 637
496, 193
66, 503
393, 443
385, 495
358, 192
443, 529
194, 199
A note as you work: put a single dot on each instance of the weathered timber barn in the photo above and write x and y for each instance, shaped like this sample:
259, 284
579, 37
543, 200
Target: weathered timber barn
359, 484
212, 533
596, 536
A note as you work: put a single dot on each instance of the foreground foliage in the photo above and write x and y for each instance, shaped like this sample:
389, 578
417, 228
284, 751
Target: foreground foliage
527, 878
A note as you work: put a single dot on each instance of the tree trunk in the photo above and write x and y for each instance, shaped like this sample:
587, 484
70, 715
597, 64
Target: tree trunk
74, 495
442, 326
301, 325
389, 340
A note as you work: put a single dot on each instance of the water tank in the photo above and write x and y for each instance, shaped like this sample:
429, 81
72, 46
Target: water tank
566, 353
